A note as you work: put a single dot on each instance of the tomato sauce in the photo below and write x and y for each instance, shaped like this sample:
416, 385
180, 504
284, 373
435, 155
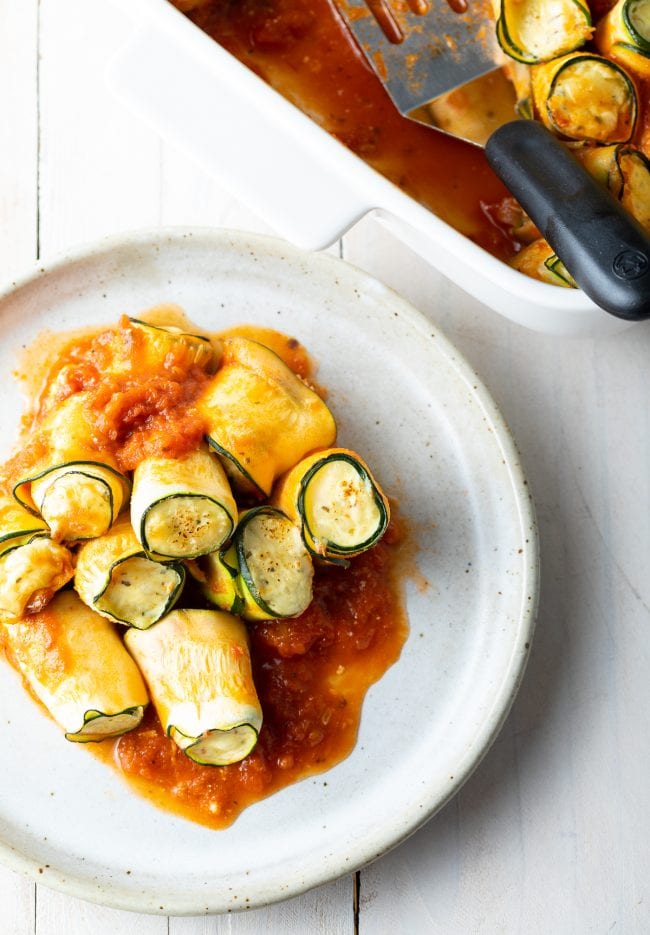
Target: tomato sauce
304, 50
311, 675
312, 672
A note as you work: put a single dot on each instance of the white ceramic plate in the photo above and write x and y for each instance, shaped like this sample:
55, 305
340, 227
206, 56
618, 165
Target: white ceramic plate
404, 397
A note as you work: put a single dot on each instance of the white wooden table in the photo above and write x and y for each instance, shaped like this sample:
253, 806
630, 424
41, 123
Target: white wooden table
551, 835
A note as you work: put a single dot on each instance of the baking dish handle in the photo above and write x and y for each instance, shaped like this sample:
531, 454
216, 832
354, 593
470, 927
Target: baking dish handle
240, 136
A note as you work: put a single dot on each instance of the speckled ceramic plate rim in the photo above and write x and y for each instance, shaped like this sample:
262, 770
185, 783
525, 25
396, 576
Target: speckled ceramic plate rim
528, 585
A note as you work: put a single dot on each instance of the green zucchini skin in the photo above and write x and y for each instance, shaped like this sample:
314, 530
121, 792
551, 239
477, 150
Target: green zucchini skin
218, 575
329, 548
586, 97
116, 578
339, 506
139, 623
275, 571
92, 471
198, 668
182, 508
535, 31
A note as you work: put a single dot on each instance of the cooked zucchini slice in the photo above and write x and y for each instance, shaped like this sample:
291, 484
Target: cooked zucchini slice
336, 501
30, 575
182, 508
275, 569
634, 168
170, 346
75, 486
116, 578
585, 97
624, 35
217, 574
76, 664
533, 31
539, 261
17, 525
600, 162
198, 668
262, 417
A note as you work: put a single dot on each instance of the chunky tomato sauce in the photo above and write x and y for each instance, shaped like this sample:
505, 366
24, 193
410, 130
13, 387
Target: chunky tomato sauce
311, 673
304, 50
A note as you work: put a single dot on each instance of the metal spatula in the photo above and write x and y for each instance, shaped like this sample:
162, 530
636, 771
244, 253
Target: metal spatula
422, 49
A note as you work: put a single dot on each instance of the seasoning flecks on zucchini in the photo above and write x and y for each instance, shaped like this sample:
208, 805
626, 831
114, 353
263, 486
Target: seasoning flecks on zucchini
116, 578
275, 569
337, 502
30, 575
533, 31
182, 508
76, 664
198, 669
624, 35
262, 418
585, 97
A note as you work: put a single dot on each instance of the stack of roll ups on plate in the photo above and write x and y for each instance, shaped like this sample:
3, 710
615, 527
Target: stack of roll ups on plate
93, 561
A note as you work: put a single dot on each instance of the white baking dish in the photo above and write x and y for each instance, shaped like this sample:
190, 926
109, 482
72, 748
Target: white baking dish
301, 181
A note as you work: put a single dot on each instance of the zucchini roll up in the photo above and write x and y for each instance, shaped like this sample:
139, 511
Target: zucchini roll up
32, 567
585, 97
266, 574
115, 577
624, 35
538, 260
532, 31
76, 664
169, 346
198, 669
336, 501
261, 417
217, 574
182, 508
76, 486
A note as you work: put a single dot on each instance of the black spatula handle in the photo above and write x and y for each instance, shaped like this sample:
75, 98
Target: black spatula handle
606, 251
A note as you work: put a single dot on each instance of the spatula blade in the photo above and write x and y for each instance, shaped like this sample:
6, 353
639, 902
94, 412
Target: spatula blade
440, 49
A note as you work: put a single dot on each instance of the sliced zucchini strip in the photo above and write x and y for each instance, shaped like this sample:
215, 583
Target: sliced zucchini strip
533, 31
75, 486
585, 97
18, 526
624, 35
198, 669
217, 574
262, 418
634, 168
116, 578
539, 261
31, 574
182, 508
338, 504
169, 346
275, 569
76, 664
600, 162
